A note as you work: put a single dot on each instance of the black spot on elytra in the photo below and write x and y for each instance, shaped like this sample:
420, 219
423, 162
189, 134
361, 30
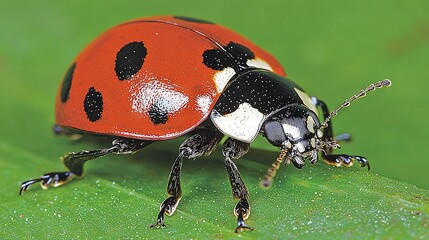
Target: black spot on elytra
236, 57
93, 105
157, 115
195, 20
129, 60
216, 59
66, 85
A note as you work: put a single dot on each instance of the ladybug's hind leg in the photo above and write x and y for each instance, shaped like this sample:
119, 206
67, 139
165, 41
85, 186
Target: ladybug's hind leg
202, 143
328, 136
74, 162
235, 149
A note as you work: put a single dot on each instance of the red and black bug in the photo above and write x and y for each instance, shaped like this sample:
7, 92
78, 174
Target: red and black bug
161, 78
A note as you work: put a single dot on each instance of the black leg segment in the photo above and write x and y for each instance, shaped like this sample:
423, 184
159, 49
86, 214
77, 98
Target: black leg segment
202, 143
174, 190
235, 149
74, 162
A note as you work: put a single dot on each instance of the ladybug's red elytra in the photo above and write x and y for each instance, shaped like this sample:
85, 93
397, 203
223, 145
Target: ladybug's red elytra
160, 78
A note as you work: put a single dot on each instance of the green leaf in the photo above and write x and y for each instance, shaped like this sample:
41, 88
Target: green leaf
120, 196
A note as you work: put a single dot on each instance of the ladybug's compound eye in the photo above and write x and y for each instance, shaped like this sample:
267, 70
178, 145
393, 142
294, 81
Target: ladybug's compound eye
274, 133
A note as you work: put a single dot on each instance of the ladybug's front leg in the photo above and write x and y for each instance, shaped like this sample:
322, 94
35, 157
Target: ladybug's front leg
336, 159
200, 144
235, 149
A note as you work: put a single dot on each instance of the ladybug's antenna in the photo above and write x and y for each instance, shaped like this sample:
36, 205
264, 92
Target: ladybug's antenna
268, 179
360, 94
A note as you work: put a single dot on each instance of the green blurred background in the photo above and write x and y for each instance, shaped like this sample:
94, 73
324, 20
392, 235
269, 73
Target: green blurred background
331, 48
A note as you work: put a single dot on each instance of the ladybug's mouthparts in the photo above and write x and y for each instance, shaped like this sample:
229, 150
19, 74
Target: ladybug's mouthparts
292, 156
296, 158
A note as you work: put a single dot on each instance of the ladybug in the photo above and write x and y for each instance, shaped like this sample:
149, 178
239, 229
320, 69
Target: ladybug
160, 78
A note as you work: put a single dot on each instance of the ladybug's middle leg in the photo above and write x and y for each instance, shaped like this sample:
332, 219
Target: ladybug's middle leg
202, 143
74, 162
337, 159
235, 149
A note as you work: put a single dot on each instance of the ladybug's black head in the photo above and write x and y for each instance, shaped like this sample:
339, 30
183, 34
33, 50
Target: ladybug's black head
296, 129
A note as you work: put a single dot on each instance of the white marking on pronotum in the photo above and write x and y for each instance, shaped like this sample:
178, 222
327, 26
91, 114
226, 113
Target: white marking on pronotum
291, 130
306, 100
259, 63
203, 103
319, 133
300, 147
310, 124
313, 142
164, 96
243, 124
222, 78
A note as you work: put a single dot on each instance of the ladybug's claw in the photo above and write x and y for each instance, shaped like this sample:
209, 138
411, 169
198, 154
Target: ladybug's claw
55, 179
242, 212
362, 161
25, 185
241, 226
168, 206
159, 223
240, 222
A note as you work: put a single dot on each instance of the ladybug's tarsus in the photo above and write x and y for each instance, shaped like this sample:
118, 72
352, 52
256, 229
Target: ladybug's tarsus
338, 160
242, 212
55, 179
168, 206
